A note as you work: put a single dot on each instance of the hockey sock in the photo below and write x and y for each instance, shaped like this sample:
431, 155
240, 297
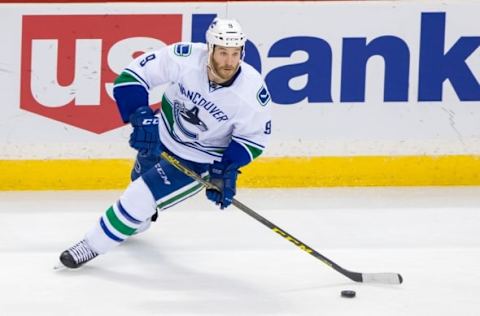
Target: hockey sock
113, 227
122, 219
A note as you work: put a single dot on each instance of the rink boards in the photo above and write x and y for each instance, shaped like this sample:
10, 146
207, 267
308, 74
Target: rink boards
364, 93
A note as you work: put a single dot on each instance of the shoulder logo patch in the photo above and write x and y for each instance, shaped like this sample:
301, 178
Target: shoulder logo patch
263, 96
182, 50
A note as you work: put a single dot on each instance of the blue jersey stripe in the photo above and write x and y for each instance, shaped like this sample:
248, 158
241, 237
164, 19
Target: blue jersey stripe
211, 147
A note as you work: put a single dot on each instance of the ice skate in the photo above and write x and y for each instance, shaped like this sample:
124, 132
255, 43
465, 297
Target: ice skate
77, 255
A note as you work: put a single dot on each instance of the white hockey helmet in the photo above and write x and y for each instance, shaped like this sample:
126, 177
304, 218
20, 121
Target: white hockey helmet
225, 32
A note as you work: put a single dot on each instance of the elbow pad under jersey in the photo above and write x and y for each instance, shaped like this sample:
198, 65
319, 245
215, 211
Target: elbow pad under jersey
129, 98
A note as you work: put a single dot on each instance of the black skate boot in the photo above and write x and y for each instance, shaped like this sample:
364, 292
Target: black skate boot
77, 255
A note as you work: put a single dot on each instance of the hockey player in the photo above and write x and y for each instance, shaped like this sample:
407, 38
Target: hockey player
214, 118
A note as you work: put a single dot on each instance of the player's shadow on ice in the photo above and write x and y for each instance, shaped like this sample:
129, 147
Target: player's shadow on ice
139, 263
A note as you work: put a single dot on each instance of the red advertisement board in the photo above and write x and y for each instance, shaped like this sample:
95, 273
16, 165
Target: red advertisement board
61, 39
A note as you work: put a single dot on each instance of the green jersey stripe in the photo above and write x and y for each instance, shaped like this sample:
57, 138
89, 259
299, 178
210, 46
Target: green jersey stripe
254, 151
167, 110
125, 78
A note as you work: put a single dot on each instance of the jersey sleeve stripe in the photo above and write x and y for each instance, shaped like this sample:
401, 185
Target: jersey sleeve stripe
123, 84
125, 77
254, 152
137, 76
249, 142
247, 149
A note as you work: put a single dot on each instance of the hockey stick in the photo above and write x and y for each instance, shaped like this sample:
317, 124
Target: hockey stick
386, 277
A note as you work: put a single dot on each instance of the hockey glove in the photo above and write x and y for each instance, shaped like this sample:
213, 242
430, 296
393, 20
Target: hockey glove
224, 177
145, 136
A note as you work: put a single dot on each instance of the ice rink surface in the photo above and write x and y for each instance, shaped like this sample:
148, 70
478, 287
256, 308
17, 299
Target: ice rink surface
197, 260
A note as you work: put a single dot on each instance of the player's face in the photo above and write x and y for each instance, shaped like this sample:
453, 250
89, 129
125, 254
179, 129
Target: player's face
225, 61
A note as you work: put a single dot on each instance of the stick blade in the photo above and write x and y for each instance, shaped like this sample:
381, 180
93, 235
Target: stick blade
385, 278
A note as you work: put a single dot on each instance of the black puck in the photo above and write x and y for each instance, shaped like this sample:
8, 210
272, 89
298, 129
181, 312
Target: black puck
348, 293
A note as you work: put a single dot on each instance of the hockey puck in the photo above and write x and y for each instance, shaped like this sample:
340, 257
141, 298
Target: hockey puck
348, 293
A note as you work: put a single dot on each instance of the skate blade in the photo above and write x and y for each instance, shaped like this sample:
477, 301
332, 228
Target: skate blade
59, 266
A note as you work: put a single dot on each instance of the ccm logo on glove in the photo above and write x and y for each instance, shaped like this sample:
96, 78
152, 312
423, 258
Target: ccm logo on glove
150, 121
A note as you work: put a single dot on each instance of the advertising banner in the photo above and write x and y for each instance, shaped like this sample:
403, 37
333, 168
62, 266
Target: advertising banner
347, 79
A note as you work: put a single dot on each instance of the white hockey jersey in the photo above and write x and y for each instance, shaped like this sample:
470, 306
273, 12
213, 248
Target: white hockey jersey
198, 120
